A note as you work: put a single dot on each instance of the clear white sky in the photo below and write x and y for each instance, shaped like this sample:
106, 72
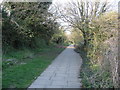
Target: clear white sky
1, 1
114, 3
63, 1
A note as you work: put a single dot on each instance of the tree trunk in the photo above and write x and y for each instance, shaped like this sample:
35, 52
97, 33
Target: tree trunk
85, 39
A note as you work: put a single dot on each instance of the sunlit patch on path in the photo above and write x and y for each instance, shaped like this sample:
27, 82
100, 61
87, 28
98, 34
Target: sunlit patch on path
70, 46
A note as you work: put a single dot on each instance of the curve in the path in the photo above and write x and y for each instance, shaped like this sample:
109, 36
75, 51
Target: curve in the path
62, 73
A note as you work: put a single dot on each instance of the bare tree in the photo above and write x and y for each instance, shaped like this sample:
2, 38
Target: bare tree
79, 13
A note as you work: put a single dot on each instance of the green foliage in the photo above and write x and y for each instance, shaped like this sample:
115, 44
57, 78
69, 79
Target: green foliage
59, 37
77, 36
26, 70
26, 26
93, 76
96, 69
99, 34
28, 48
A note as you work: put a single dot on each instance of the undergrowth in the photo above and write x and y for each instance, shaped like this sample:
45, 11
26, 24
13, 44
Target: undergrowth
92, 75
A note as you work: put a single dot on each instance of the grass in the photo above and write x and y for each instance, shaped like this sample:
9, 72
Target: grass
22, 75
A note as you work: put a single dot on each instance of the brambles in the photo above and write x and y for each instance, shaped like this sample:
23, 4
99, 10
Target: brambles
102, 52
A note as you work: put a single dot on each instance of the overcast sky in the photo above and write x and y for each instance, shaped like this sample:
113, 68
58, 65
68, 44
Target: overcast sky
0, 1
114, 3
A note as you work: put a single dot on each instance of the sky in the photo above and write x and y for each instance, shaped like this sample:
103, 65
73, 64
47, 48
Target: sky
113, 2
1, 1
114, 7
64, 1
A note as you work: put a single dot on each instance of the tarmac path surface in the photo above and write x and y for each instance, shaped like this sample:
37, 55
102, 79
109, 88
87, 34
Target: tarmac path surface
62, 73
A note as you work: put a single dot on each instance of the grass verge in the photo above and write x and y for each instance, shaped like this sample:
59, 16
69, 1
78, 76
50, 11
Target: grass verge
26, 69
